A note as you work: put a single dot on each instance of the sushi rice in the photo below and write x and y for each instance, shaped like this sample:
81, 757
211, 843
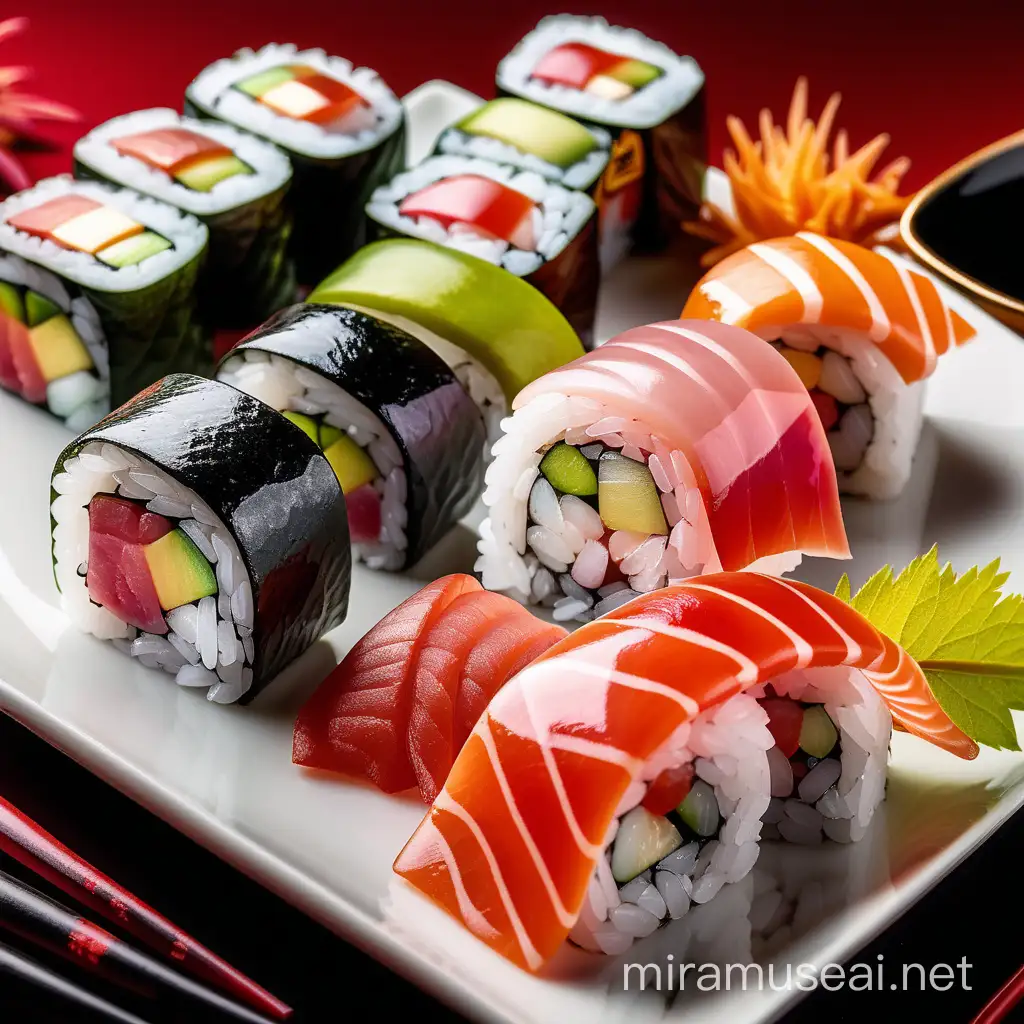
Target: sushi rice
287, 386
271, 168
209, 643
187, 235
212, 92
81, 398
580, 175
734, 804
560, 213
680, 81
537, 547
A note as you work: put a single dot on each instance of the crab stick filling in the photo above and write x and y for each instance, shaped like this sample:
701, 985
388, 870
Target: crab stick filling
589, 69
193, 160
38, 344
480, 204
305, 94
82, 224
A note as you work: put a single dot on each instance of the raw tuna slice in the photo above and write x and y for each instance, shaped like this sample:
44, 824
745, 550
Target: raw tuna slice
118, 576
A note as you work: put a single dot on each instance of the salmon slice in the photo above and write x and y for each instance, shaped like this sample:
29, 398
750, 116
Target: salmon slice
809, 279
742, 420
169, 149
511, 842
400, 706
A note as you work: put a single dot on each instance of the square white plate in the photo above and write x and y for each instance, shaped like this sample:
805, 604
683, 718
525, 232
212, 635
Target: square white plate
224, 776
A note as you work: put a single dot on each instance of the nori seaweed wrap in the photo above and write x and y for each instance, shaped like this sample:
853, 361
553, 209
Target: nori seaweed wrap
393, 420
342, 127
203, 533
233, 182
134, 258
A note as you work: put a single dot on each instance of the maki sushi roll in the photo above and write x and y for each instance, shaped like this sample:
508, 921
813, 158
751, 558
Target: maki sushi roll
393, 421
603, 824
649, 98
52, 349
134, 259
862, 330
673, 450
533, 228
203, 534
232, 182
342, 127
496, 332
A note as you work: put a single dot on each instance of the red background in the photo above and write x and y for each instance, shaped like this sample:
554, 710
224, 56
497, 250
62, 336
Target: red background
939, 77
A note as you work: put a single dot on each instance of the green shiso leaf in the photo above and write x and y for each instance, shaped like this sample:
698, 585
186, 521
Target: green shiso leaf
964, 632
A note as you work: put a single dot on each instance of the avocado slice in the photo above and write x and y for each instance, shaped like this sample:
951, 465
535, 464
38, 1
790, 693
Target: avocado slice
256, 85
329, 434
202, 175
636, 73
306, 423
10, 302
180, 573
58, 348
643, 839
351, 465
545, 133
568, 470
130, 251
39, 308
628, 497
497, 318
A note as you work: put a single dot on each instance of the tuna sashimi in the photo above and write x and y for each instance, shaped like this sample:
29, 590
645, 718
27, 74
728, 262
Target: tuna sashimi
816, 281
510, 846
399, 706
31, 383
118, 575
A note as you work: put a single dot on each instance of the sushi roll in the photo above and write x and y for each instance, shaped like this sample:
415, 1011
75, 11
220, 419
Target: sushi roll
530, 137
496, 332
622, 777
674, 449
232, 182
452, 646
862, 330
399, 431
649, 98
535, 229
134, 259
52, 349
203, 534
342, 127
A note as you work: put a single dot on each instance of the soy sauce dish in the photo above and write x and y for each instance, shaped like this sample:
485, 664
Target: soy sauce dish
968, 220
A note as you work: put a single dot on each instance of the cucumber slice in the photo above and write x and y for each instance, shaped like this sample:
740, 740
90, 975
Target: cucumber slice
204, 174
329, 434
39, 308
130, 251
256, 85
306, 423
635, 73
180, 573
567, 469
497, 318
817, 733
642, 840
10, 301
628, 496
699, 810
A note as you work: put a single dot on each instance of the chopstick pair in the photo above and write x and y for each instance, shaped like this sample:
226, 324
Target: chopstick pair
67, 994
28, 843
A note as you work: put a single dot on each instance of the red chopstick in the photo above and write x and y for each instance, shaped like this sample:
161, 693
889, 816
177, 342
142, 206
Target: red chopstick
1003, 1001
37, 850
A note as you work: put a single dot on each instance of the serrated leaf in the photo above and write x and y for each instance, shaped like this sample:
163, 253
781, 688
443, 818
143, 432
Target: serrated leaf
967, 636
843, 589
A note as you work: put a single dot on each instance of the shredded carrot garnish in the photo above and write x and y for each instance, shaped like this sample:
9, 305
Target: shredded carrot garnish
786, 182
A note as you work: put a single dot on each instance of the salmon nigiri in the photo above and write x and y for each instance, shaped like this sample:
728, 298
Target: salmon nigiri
861, 330
625, 774
675, 449
399, 707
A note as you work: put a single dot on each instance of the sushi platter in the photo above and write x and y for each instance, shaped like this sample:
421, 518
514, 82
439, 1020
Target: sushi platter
343, 442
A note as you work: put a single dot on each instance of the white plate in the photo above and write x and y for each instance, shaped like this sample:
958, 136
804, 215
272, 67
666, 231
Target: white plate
223, 775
